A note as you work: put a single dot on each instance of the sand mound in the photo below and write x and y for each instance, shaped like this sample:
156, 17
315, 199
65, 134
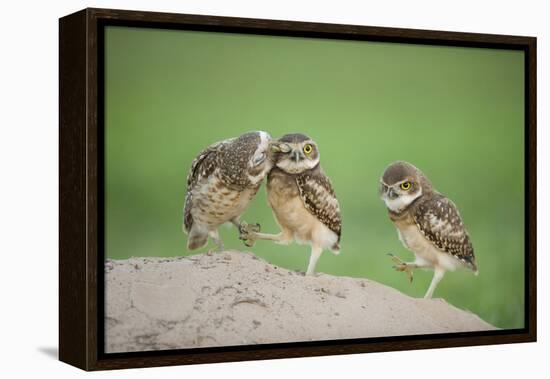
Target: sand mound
235, 298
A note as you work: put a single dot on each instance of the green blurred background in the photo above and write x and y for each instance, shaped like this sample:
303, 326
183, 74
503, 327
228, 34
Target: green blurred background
456, 113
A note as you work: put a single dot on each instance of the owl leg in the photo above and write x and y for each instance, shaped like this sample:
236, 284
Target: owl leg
313, 258
438, 275
249, 237
406, 267
215, 235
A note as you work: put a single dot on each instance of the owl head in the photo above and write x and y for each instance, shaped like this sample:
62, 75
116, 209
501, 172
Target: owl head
401, 184
295, 153
253, 150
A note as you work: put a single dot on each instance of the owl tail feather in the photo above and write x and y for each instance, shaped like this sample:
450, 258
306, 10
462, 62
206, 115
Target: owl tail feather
196, 239
335, 249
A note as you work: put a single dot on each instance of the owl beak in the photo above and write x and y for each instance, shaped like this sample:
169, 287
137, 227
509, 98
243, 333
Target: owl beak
392, 194
296, 156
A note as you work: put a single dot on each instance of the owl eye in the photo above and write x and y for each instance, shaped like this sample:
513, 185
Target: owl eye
308, 149
406, 186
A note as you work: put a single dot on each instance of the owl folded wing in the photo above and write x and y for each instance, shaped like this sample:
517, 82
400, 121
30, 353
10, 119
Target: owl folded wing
202, 167
440, 222
320, 200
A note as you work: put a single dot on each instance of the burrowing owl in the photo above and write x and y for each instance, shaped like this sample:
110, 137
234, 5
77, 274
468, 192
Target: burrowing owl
223, 179
428, 223
302, 199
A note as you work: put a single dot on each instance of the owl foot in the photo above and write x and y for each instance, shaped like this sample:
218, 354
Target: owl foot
403, 266
247, 233
218, 249
215, 236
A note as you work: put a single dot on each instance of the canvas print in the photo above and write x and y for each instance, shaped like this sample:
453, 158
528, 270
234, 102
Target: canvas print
270, 189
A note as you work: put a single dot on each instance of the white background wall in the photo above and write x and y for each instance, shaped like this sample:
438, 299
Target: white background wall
29, 183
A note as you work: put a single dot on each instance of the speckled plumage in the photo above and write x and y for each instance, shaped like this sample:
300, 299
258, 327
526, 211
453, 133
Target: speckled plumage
428, 223
319, 198
439, 221
221, 182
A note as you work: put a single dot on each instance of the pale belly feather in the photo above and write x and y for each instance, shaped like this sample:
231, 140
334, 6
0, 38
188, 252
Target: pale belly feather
426, 253
216, 204
296, 220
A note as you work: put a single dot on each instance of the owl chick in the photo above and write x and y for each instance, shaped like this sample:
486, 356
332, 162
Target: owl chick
302, 199
428, 223
223, 179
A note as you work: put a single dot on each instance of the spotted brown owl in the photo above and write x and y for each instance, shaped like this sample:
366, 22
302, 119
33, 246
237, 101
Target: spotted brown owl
428, 223
302, 199
223, 179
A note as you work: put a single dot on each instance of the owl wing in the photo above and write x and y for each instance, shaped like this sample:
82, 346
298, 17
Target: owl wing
204, 164
320, 200
202, 167
440, 222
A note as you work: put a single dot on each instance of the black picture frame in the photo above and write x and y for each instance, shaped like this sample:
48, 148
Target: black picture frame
81, 188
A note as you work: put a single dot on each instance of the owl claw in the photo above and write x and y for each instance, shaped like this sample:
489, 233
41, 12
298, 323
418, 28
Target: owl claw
246, 233
245, 228
249, 243
402, 266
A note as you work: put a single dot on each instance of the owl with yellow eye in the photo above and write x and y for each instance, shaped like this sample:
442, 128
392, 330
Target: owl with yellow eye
302, 199
427, 223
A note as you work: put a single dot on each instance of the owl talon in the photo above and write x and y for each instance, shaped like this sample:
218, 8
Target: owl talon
248, 240
402, 266
395, 259
242, 228
249, 243
245, 228
246, 233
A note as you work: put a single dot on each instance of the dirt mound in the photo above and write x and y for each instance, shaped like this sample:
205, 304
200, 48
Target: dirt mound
235, 298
